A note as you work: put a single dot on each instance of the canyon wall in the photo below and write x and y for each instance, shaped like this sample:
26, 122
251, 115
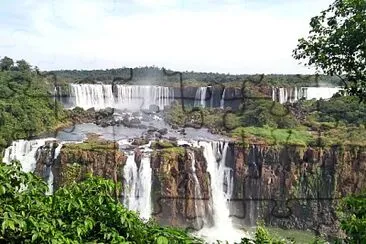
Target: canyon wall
286, 186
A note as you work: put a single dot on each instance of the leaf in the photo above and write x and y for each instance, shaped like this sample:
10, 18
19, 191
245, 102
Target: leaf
162, 240
34, 237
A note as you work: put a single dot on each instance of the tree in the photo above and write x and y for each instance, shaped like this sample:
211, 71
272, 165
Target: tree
83, 212
336, 44
353, 217
6, 63
23, 66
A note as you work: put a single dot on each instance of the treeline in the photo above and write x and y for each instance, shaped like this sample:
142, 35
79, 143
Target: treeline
156, 75
26, 104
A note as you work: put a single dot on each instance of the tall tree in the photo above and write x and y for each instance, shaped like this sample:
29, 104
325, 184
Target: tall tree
23, 65
6, 63
336, 44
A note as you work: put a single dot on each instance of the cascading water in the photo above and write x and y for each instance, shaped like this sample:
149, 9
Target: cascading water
293, 94
198, 204
92, 96
144, 96
200, 97
24, 151
137, 187
221, 191
132, 97
320, 92
50, 176
222, 101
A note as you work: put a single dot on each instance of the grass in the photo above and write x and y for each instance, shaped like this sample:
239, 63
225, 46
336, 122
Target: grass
273, 136
93, 143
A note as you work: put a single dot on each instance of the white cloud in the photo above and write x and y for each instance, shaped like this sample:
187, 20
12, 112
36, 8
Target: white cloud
231, 38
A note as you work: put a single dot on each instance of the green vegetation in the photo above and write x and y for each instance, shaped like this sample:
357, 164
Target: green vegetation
26, 107
93, 143
339, 120
336, 44
87, 212
78, 213
163, 144
154, 75
352, 212
268, 135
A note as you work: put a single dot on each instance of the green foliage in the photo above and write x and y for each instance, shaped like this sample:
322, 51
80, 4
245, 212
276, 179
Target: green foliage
263, 112
26, 107
353, 217
345, 109
78, 213
262, 236
274, 136
6, 63
155, 75
336, 44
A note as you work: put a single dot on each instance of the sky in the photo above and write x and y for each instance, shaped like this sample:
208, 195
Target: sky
225, 36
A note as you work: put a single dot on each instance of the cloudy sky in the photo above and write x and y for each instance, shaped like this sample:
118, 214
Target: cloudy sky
230, 36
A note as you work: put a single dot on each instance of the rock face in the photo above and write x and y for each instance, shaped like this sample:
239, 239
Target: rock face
286, 186
96, 157
282, 185
174, 193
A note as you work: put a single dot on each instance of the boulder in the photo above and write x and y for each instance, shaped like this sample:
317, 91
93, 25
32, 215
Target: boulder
154, 108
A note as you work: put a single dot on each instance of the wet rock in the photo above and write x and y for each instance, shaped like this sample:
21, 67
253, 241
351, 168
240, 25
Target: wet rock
147, 118
146, 111
175, 127
152, 129
138, 157
107, 112
135, 121
154, 108
163, 131
91, 110
140, 141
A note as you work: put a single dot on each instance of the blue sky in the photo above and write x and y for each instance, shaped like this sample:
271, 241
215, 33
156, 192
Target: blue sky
229, 36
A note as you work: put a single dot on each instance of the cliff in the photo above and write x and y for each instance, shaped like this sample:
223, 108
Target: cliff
180, 187
286, 186
294, 187
94, 156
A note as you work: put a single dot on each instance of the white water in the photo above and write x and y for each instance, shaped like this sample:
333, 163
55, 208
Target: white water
137, 187
127, 96
221, 176
200, 97
320, 92
222, 101
50, 177
293, 94
24, 151
199, 208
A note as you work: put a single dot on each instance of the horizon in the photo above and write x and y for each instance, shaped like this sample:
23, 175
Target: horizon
229, 37
185, 71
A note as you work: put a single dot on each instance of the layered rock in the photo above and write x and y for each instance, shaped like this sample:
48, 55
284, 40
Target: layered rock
294, 187
94, 156
176, 202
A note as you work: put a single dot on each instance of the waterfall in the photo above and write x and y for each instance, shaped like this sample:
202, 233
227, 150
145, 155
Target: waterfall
100, 96
24, 151
293, 94
50, 176
319, 92
200, 97
96, 96
221, 191
198, 204
137, 187
144, 96
222, 101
